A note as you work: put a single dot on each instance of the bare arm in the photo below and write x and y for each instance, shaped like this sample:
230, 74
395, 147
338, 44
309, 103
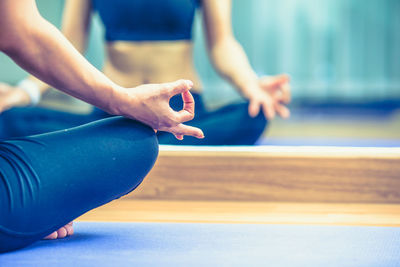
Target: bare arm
75, 27
231, 61
42, 50
226, 53
76, 22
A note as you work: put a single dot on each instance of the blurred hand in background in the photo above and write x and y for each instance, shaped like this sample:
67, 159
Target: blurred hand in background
12, 96
270, 94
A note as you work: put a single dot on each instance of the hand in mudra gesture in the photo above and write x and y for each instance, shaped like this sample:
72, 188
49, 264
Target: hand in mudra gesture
270, 94
149, 104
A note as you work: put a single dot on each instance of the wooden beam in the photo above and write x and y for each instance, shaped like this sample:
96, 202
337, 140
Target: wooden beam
265, 173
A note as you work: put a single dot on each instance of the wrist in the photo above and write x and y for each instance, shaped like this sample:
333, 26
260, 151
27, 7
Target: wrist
120, 101
249, 87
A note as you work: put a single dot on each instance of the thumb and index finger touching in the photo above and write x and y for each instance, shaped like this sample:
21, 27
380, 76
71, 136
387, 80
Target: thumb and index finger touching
187, 113
280, 85
275, 81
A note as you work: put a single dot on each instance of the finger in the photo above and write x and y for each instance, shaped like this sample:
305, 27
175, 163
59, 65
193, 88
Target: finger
283, 111
183, 116
268, 109
182, 129
62, 232
277, 96
187, 113
286, 93
281, 79
179, 137
254, 108
275, 81
178, 87
52, 236
284, 77
188, 101
70, 229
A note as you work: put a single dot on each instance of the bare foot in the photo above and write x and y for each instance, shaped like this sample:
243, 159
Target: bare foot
64, 231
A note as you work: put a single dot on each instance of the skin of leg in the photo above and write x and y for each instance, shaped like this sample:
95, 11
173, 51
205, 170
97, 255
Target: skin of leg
51, 179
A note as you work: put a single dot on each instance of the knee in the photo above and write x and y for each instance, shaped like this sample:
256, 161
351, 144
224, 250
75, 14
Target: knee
251, 129
124, 151
137, 149
259, 123
255, 125
145, 141
146, 152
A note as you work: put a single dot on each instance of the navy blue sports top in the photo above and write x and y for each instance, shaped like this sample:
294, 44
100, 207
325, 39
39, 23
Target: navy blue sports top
147, 20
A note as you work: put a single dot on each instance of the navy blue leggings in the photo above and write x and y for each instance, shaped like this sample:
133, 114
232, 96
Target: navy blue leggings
230, 125
48, 180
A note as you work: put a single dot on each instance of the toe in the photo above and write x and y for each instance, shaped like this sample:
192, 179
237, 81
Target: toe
62, 232
53, 235
70, 229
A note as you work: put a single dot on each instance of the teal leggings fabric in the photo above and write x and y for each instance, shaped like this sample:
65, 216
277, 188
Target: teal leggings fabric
229, 125
49, 180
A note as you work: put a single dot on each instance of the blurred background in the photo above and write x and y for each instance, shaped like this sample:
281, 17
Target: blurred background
343, 57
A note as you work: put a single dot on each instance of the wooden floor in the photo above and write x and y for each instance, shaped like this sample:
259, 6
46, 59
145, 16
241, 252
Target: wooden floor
126, 210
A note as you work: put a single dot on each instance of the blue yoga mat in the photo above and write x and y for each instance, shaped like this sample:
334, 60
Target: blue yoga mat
175, 244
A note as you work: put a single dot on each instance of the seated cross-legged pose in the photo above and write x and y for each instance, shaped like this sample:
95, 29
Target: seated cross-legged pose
49, 179
151, 41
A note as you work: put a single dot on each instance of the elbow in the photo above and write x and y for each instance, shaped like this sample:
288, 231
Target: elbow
221, 46
217, 51
214, 53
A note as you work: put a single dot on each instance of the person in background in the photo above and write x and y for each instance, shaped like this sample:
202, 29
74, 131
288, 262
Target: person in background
150, 41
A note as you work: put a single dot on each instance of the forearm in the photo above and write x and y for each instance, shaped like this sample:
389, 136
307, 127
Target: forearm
231, 62
75, 27
42, 50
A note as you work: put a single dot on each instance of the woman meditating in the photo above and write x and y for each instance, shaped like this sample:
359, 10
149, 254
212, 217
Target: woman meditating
150, 41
